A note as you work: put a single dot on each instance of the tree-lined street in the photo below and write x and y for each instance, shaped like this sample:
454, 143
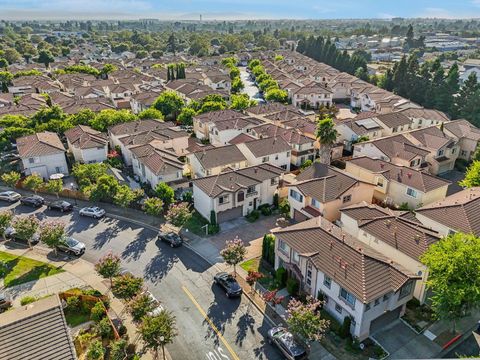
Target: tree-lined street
210, 325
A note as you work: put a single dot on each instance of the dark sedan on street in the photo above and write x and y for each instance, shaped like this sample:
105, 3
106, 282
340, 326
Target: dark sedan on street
61, 205
174, 240
34, 200
228, 283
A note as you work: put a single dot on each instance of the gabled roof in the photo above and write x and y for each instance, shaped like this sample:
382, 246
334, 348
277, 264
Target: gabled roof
398, 146
460, 211
158, 161
135, 127
36, 331
234, 180
84, 137
39, 144
431, 137
394, 119
219, 156
354, 265
463, 129
267, 146
407, 176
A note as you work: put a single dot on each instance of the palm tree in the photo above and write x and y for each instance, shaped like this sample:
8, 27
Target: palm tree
327, 136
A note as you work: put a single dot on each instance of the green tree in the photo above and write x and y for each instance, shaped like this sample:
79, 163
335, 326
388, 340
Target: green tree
5, 80
304, 319
466, 103
126, 286
52, 234
6, 217
153, 206
284, 208
169, 103
237, 85
472, 176
234, 253
158, 331
25, 227
3, 63
95, 350
186, 116
11, 178
107, 69
165, 193
240, 102
150, 113
33, 182
327, 136
54, 186
88, 174
178, 214
108, 267
118, 350
277, 95
105, 189
110, 117
45, 57
140, 306
123, 196
454, 283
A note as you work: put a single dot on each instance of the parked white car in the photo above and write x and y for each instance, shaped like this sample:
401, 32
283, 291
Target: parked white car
93, 211
158, 306
10, 196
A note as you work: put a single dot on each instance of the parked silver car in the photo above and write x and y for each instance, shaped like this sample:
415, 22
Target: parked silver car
286, 343
10, 196
72, 246
92, 211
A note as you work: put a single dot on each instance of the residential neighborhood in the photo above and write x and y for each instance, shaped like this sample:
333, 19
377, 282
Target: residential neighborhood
197, 188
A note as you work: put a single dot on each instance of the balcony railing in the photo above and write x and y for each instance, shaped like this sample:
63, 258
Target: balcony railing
252, 193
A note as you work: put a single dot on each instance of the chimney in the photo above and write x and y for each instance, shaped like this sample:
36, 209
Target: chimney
409, 175
255, 170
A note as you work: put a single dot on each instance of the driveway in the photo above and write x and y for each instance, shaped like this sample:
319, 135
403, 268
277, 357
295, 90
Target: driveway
404, 343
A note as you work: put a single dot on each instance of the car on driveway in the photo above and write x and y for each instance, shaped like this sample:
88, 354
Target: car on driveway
92, 211
228, 283
11, 234
61, 205
10, 196
34, 200
72, 246
158, 307
174, 240
286, 343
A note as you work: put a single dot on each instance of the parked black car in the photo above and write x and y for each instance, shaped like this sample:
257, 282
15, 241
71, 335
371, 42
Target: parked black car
60, 205
34, 200
228, 283
174, 240
11, 234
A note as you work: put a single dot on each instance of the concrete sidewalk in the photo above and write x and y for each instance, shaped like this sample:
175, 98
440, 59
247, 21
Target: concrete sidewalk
78, 273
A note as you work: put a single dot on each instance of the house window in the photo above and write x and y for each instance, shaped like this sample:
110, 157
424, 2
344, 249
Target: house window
31, 160
274, 181
413, 163
284, 167
406, 290
309, 276
411, 192
454, 150
420, 122
386, 297
296, 257
347, 198
440, 152
327, 281
223, 199
367, 307
316, 203
288, 153
282, 246
380, 182
348, 297
276, 157
338, 308
251, 189
240, 196
209, 172
58, 169
265, 159
377, 301
295, 195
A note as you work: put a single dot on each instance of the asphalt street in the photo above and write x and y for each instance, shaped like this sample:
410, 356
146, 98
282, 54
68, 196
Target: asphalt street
210, 325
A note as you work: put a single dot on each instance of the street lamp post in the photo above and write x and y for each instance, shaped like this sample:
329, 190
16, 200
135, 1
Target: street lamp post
72, 186
162, 339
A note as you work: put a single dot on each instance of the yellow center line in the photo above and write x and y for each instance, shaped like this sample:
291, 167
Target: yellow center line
212, 325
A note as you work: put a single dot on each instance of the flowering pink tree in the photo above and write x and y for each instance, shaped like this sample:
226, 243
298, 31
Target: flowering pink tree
304, 319
52, 233
252, 278
178, 214
25, 227
234, 253
272, 298
108, 267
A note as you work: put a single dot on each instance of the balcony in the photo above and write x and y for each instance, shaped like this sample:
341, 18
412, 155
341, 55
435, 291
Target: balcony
252, 193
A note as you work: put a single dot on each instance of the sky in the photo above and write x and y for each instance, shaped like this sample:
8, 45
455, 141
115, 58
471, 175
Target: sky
236, 9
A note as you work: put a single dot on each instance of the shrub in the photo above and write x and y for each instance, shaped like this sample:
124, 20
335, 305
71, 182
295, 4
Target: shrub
105, 328
345, 329
284, 208
266, 210
292, 286
213, 218
95, 350
253, 216
97, 312
118, 350
275, 201
187, 197
213, 229
73, 303
281, 277
28, 300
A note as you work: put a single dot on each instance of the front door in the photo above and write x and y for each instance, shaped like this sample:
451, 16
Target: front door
255, 204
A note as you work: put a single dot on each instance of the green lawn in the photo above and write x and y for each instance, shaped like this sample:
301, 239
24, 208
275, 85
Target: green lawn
18, 269
255, 265
195, 224
76, 318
